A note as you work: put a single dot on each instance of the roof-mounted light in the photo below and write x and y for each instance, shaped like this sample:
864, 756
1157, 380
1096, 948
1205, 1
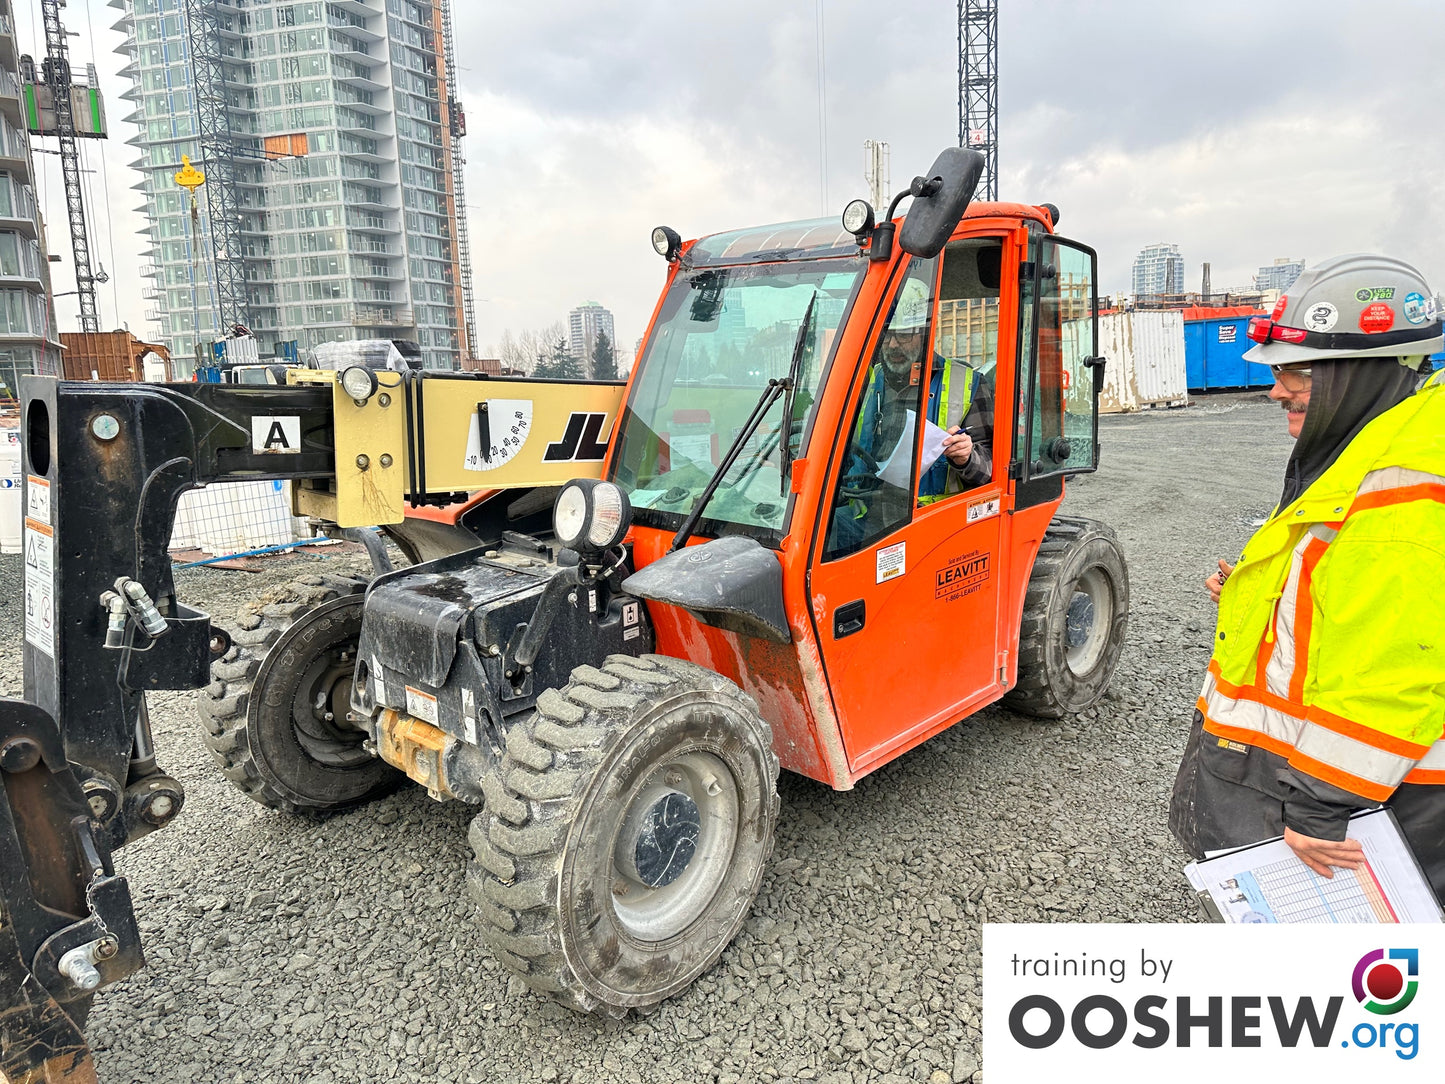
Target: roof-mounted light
666, 242
858, 218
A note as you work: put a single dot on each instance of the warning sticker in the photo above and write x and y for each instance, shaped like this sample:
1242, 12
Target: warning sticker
1377, 317
986, 508
37, 499
892, 561
962, 576
422, 705
630, 613
40, 586
276, 433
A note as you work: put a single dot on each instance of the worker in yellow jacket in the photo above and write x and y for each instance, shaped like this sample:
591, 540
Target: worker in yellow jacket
1326, 691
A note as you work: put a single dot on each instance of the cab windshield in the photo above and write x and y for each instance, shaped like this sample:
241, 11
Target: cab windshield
722, 334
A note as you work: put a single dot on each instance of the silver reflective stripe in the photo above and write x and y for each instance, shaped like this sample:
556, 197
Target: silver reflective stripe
1352, 756
1434, 758
1397, 478
1248, 714
1280, 671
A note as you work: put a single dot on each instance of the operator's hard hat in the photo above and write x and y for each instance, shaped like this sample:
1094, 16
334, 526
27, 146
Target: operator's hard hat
911, 311
1356, 306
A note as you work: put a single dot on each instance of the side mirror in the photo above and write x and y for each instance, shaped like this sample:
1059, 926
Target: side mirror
939, 200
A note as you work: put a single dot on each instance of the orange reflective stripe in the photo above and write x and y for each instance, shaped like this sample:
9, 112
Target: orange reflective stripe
1434, 776
1350, 729
1425, 491
1366, 788
1304, 619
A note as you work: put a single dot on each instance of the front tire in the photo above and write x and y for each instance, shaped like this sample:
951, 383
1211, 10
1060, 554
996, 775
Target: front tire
625, 832
265, 713
1075, 616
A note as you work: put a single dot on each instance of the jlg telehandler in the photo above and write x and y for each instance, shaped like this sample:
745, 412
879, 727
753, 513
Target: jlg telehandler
773, 546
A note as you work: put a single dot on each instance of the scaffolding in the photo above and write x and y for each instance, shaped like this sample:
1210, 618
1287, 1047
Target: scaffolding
978, 87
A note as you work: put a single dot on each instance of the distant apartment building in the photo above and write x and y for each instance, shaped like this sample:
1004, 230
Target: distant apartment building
1158, 269
29, 342
1279, 275
583, 325
355, 238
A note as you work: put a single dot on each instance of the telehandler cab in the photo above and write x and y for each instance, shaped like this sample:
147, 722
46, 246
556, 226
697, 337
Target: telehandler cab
773, 547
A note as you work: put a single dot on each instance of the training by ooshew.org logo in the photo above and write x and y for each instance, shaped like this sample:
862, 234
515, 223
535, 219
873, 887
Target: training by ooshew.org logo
1379, 984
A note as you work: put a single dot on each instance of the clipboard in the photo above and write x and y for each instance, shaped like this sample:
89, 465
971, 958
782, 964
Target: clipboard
1265, 882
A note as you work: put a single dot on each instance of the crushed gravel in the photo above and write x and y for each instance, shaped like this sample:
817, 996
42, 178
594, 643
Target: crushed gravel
289, 948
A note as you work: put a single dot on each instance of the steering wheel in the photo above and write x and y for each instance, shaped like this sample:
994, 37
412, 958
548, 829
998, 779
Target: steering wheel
858, 484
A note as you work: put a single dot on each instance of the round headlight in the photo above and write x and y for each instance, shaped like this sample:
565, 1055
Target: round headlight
858, 217
359, 382
611, 516
569, 515
666, 241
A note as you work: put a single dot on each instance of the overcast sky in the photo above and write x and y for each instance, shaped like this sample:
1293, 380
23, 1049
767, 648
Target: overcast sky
1240, 131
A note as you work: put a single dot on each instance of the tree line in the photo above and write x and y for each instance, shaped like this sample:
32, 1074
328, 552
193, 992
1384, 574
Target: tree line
546, 354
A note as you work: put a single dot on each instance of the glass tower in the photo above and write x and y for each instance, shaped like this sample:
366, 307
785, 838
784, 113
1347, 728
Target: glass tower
29, 342
343, 177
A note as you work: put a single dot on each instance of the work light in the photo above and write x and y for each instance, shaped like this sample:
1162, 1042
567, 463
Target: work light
858, 217
591, 516
666, 241
359, 382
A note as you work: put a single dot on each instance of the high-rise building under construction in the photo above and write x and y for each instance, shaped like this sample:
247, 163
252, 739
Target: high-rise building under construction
344, 179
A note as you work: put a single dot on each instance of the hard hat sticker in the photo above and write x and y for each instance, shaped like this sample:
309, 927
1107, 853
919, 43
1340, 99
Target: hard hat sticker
1375, 293
1377, 317
1417, 309
1321, 317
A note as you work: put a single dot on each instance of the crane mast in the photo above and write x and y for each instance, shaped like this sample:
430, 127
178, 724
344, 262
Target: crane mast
978, 87
56, 73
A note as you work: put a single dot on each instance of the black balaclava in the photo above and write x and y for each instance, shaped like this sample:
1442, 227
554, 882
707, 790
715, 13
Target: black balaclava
1345, 396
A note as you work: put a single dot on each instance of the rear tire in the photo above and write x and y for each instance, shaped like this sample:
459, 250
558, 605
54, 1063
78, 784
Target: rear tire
264, 713
1075, 616
625, 832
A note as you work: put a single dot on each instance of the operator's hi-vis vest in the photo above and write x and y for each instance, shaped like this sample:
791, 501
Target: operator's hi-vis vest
1330, 648
955, 399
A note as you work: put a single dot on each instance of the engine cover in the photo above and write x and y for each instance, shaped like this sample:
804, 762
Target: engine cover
439, 640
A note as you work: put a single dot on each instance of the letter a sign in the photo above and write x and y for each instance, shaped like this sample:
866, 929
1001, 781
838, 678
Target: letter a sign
275, 433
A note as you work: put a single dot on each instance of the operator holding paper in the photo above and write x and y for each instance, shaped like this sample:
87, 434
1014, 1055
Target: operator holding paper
1326, 691
960, 401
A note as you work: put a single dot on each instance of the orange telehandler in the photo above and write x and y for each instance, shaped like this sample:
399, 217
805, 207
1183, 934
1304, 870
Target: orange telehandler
817, 526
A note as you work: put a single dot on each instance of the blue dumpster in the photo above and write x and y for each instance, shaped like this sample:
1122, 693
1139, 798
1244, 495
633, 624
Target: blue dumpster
1214, 351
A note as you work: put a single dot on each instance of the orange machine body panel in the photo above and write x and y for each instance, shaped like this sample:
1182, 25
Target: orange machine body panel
940, 641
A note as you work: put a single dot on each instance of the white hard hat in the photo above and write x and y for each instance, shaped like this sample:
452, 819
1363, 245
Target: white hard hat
1355, 306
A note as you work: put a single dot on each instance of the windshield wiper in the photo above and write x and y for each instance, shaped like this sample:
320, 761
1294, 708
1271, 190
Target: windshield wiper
785, 447
770, 395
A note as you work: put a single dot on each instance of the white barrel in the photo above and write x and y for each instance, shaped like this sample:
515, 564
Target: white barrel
10, 518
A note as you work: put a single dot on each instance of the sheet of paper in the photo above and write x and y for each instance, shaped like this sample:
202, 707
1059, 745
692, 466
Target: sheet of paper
1266, 883
896, 470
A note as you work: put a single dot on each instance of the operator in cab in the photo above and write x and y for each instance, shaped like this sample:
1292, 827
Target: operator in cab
960, 402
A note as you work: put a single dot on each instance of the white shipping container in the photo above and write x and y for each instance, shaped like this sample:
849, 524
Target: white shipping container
10, 485
1145, 352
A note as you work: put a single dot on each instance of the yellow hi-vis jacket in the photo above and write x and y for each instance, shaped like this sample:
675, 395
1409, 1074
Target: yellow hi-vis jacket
1330, 648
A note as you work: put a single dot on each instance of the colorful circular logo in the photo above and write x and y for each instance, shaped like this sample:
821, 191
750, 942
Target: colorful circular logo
1386, 986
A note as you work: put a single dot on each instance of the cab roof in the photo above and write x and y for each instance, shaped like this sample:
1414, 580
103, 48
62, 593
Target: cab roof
816, 238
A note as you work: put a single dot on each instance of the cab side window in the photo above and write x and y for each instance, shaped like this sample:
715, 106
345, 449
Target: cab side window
961, 385
875, 491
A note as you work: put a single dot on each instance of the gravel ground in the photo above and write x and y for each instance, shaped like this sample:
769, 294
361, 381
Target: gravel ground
286, 948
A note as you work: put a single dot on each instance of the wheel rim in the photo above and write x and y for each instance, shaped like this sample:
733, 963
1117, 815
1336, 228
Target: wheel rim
673, 846
1086, 626
321, 705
